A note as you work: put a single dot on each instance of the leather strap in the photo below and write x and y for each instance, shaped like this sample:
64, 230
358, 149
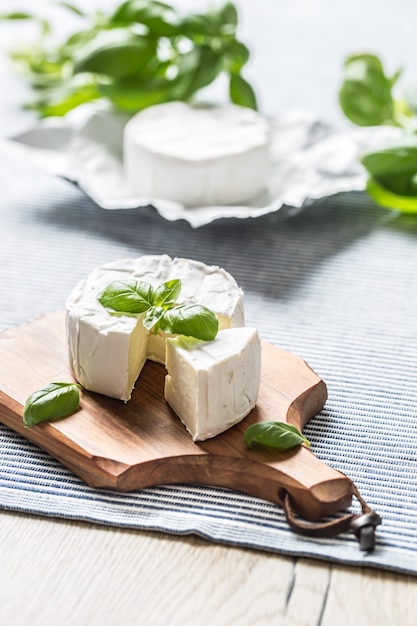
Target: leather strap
362, 524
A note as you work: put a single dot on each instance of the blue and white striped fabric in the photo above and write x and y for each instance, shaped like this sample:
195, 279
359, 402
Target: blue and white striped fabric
336, 284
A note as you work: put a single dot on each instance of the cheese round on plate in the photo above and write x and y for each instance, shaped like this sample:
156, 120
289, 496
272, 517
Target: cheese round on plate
107, 352
213, 385
196, 155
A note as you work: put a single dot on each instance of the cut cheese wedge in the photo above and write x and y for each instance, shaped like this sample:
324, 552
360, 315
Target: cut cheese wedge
107, 352
213, 385
196, 155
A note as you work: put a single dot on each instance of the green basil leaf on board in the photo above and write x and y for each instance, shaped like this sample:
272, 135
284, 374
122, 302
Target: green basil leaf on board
54, 401
141, 53
278, 435
366, 93
129, 297
193, 320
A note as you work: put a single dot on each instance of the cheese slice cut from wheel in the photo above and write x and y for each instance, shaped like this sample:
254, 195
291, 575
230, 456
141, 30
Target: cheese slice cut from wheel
196, 155
213, 385
107, 352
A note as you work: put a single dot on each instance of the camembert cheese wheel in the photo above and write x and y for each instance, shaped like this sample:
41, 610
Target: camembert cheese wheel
107, 352
196, 155
212, 385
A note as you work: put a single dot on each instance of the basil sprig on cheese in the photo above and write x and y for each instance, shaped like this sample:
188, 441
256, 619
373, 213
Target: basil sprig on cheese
134, 297
278, 435
52, 402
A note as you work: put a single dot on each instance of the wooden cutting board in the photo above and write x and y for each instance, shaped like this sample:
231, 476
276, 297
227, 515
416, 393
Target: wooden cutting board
128, 446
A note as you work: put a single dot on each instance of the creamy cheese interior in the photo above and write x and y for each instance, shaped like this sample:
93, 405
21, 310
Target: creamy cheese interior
213, 385
107, 352
197, 155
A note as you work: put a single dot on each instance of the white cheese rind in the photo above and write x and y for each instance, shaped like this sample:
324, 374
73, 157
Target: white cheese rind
107, 352
213, 385
197, 156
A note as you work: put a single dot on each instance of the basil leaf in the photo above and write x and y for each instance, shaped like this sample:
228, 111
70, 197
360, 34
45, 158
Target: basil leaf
21, 15
389, 200
127, 297
152, 318
278, 435
134, 56
133, 95
17, 15
206, 24
411, 98
395, 167
158, 17
196, 69
236, 55
366, 96
116, 53
57, 101
219, 21
135, 297
208, 67
228, 14
241, 92
76, 40
167, 294
193, 320
70, 7
51, 402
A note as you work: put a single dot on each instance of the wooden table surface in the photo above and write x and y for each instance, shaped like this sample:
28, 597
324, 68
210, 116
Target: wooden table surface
55, 572
61, 572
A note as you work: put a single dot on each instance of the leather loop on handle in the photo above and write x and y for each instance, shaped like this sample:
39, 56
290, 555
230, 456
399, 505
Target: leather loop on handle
362, 525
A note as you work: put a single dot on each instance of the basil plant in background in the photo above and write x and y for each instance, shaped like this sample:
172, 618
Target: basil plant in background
142, 53
367, 99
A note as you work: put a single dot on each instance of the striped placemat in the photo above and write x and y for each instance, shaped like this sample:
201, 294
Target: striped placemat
336, 284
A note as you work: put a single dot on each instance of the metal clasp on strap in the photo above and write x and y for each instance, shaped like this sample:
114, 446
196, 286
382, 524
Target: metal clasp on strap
362, 525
